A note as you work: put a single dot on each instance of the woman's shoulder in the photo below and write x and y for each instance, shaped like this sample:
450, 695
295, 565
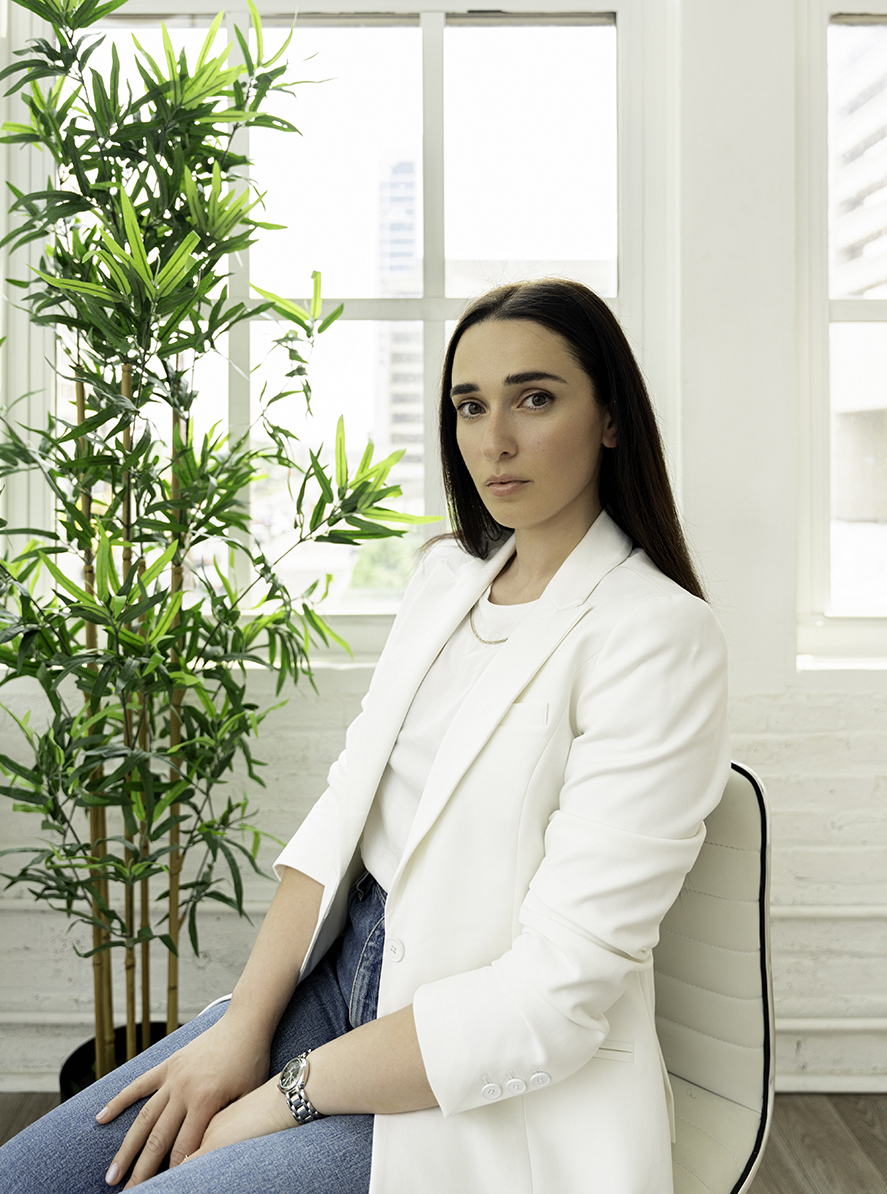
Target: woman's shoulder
638, 601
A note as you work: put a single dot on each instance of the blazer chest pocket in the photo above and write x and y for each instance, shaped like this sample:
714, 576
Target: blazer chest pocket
612, 1050
526, 715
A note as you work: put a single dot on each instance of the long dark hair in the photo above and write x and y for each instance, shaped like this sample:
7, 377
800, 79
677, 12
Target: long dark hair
634, 486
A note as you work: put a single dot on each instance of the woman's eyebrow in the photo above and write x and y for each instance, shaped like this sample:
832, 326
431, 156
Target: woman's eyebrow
513, 379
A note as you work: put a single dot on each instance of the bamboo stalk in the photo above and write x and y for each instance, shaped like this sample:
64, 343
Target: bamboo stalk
145, 892
129, 897
175, 737
101, 959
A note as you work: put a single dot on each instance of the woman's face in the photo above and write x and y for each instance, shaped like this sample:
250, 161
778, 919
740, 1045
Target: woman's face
529, 428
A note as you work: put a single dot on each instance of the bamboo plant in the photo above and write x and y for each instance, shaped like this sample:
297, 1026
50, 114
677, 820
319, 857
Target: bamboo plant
139, 646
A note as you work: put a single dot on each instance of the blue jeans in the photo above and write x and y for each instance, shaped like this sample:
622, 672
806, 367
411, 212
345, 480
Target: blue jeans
67, 1152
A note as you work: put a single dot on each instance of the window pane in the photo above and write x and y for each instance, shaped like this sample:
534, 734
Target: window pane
857, 74
370, 372
530, 154
349, 188
859, 468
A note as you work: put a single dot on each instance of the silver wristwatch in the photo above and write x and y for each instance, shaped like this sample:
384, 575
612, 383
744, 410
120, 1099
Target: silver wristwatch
292, 1083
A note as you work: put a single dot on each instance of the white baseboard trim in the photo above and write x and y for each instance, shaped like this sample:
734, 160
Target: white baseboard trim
26, 1083
251, 907
79, 1019
831, 1083
817, 1025
828, 911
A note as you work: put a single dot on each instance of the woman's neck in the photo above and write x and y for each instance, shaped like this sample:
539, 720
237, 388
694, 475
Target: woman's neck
536, 559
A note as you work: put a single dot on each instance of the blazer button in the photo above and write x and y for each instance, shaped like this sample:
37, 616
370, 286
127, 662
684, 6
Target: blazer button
492, 1090
516, 1086
394, 949
540, 1078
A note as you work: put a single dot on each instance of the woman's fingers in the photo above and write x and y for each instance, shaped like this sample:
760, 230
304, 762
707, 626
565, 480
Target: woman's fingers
145, 1084
144, 1140
190, 1137
162, 1128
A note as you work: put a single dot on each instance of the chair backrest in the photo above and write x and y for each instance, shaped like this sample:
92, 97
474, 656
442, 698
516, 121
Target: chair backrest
714, 1006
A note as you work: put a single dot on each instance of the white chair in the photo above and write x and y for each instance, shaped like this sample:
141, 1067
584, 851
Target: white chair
714, 1006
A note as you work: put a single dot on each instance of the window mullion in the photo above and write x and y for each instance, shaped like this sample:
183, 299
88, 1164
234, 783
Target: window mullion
432, 24
239, 291
433, 262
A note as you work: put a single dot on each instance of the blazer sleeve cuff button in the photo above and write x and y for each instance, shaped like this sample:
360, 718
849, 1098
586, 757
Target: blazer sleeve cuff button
492, 1090
540, 1078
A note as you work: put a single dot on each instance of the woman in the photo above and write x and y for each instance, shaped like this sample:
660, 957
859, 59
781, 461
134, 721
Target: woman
543, 736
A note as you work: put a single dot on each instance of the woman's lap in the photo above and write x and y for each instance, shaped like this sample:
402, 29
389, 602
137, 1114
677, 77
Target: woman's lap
67, 1152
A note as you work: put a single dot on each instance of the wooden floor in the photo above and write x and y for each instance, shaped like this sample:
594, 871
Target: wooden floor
819, 1144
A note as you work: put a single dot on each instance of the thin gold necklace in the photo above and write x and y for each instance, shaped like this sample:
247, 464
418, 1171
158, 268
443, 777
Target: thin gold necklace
488, 642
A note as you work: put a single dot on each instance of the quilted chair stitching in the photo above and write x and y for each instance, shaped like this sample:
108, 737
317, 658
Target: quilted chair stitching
711, 1036
712, 896
741, 849
693, 1173
728, 1151
711, 944
708, 990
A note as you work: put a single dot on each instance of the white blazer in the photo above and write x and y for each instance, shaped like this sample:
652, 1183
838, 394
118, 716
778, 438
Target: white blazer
560, 816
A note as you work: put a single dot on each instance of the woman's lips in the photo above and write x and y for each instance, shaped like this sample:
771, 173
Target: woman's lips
506, 486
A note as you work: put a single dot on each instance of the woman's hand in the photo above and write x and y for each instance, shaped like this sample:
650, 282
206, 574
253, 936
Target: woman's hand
186, 1091
260, 1113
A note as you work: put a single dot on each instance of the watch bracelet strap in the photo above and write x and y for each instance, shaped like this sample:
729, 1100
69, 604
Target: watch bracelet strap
303, 1110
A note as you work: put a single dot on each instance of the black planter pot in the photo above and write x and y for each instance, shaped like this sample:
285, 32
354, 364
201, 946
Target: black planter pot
78, 1071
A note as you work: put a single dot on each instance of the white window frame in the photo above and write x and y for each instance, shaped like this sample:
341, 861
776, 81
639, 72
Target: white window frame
648, 244
825, 639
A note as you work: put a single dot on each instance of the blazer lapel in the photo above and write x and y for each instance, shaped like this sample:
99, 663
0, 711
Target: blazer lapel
413, 647
567, 598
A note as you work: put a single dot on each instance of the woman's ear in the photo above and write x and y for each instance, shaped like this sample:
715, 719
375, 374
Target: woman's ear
610, 437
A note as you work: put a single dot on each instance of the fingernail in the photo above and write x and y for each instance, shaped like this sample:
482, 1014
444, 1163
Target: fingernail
102, 1113
111, 1175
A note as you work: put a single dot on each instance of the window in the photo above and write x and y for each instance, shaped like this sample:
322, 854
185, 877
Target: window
428, 170
857, 86
844, 584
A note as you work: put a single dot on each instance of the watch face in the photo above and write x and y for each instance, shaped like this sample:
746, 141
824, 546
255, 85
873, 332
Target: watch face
292, 1074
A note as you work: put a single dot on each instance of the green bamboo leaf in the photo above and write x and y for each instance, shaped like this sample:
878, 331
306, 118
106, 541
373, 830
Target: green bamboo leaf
380, 514
90, 13
172, 65
283, 48
244, 49
210, 38
114, 269
157, 566
315, 297
134, 237
179, 265
89, 289
331, 318
284, 307
106, 579
341, 459
257, 29
322, 479
194, 205
63, 580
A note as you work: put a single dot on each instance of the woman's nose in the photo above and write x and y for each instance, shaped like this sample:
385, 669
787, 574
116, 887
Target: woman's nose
498, 440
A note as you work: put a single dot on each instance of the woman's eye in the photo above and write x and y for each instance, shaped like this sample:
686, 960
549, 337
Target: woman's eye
538, 400
469, 409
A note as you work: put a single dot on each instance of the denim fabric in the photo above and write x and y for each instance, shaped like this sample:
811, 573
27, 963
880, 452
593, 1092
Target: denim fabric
67, 1152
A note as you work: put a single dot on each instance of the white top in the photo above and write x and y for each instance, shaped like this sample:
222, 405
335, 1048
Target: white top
447, 682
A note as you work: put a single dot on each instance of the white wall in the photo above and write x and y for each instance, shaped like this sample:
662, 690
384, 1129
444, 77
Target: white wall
817, 739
